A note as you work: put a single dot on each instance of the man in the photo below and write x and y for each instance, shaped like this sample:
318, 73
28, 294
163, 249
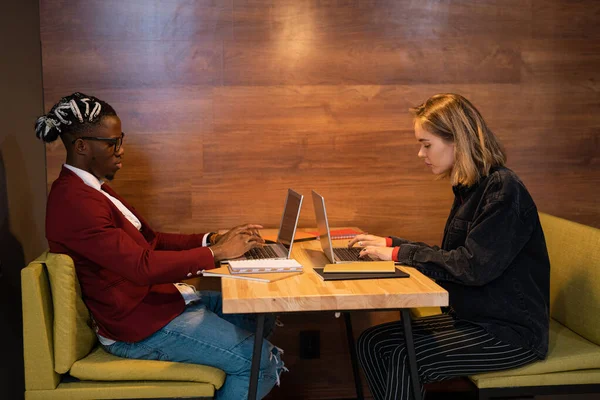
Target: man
129, 273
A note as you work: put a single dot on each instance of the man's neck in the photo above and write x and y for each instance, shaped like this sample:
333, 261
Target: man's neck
87, 177
78, 164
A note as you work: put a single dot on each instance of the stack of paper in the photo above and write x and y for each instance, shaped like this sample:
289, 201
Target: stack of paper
225, 272
264, 266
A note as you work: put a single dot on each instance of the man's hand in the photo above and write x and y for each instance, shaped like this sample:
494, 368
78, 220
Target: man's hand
364, 240
251, 228
377, 253
237, 241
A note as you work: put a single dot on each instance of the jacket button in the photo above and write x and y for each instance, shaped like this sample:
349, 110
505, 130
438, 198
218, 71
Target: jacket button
189, 275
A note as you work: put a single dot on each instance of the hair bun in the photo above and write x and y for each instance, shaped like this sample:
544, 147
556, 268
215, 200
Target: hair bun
72, 115
47, 129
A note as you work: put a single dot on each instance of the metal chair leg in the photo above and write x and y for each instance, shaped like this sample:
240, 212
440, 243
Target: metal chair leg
353, 357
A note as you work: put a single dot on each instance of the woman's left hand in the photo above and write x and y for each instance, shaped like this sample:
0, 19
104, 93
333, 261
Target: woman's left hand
377, 253
364, 240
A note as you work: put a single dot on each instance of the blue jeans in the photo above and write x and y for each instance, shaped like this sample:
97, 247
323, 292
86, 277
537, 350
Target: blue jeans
202, 334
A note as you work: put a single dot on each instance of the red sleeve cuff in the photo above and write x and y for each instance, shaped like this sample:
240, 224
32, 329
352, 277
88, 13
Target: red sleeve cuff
395, 253
388, 242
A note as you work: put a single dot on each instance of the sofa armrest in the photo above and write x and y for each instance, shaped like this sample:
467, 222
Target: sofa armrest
37, 329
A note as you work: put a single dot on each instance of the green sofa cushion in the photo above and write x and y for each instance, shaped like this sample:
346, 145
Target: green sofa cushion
38, 327
73, 335
102, 366
574, 251
567, 351
584, 377
123, 390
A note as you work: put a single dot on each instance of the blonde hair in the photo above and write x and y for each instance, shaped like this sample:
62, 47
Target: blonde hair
454, 119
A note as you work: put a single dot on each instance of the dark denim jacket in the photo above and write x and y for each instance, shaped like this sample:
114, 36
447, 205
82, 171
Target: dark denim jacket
493, 261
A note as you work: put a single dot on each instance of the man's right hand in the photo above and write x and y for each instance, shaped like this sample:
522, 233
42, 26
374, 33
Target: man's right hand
237, 241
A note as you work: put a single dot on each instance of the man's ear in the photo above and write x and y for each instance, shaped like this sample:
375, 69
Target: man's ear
80, 146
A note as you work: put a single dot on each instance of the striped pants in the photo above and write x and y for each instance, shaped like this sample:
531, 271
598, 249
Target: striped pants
445, 348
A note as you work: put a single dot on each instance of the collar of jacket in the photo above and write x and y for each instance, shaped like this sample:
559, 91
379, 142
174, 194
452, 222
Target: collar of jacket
463, 191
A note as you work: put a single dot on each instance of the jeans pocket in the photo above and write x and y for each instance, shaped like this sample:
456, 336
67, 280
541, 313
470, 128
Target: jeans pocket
138, 351
119, 349
142, 351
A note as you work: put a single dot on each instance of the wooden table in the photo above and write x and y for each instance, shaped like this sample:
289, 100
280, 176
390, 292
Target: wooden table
308, 292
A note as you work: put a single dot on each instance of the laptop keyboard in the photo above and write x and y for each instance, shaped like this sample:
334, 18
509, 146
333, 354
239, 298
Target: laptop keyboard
349, 254
259, 253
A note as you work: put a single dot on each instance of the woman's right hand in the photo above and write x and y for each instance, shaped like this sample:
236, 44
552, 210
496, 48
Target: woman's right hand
364, 240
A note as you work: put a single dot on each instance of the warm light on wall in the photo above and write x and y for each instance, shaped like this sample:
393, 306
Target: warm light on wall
295, 39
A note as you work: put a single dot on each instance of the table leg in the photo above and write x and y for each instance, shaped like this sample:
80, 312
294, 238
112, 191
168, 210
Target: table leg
410, 349
353, 357
258, 342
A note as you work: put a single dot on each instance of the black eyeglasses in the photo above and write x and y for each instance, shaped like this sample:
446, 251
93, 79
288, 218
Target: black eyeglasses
117, 142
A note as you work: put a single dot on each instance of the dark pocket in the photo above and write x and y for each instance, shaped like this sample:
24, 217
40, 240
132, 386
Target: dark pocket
457, 233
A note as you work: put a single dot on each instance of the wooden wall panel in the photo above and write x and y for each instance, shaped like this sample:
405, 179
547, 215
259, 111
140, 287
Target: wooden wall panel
129, 64
390, 62
227, 104
139, 20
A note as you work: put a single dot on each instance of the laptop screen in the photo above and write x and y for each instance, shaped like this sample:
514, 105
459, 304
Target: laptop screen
323, 225
289, 220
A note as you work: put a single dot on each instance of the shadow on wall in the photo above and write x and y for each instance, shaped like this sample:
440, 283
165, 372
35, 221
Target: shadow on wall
12, 257
12, 260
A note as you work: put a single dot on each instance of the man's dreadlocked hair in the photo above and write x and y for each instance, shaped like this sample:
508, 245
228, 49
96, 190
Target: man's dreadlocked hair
73, 115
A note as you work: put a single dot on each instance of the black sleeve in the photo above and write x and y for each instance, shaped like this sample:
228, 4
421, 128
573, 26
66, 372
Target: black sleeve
495, 238
398, 241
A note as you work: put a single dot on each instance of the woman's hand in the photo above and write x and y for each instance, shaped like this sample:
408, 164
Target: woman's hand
377, 253
364, 240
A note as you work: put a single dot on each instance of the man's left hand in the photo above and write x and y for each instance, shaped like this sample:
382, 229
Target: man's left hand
250, 229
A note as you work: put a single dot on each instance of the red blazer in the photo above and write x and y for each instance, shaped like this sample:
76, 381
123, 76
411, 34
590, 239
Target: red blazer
126, 275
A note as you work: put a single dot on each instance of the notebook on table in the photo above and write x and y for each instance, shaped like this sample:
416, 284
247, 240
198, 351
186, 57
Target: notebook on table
298, 237
282, 248
361, 267
336, 255
351, 276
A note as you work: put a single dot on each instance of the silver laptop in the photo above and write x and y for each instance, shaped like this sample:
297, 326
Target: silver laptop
336, 255
282, 249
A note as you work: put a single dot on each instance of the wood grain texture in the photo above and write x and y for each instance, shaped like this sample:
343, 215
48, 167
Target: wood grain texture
226, 104
308, 292
273, 94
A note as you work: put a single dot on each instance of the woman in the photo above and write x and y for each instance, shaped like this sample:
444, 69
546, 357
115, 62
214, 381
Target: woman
493, 262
